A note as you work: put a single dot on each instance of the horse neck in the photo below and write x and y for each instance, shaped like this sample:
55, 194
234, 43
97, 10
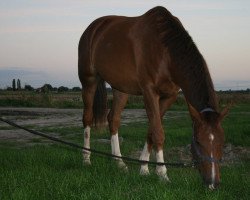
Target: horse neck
201, 99
199, 92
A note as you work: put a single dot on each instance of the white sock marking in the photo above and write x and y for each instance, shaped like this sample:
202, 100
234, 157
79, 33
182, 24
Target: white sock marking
161, 170
87, 137
144, 156
86, 144
115, 148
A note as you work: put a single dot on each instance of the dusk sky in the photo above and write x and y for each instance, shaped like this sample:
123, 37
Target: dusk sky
39, 39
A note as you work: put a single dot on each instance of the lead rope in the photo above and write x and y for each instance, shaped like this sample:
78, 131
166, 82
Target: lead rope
179, 164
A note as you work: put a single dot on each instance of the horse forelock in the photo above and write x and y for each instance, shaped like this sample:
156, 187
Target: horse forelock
211, 117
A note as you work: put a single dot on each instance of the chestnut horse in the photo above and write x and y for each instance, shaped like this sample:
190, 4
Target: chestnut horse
154, 56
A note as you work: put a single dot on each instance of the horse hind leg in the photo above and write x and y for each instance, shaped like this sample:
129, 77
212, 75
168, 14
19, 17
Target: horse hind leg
88, 94
114, 116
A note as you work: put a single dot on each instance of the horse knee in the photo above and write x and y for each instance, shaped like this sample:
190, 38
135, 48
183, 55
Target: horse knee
158, 140
87, 120
114, 123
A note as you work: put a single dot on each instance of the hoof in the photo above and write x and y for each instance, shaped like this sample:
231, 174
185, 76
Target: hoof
144, 171
162, 173
122, 165
164, 178
86, 162
86, 159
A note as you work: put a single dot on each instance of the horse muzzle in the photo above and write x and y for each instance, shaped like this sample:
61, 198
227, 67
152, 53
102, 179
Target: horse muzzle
212, 185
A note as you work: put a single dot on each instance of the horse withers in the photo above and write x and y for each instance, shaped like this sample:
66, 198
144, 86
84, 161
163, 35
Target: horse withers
154, 56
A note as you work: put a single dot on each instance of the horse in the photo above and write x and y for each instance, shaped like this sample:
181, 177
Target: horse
154, 56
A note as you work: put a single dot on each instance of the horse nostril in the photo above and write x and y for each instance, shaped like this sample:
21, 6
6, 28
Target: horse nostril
213, 186
210, 184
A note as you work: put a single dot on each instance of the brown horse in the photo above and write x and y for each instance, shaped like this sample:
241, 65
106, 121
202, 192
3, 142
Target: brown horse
154, 56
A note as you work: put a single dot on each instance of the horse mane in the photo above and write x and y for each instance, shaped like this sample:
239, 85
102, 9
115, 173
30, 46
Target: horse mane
185, 55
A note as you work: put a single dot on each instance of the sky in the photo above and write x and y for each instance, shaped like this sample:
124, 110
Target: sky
39, 38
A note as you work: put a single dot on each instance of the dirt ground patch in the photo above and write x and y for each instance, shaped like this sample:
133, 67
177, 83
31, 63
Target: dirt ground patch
47, 117
67, 117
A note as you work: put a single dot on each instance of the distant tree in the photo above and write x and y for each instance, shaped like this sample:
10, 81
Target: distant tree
46, 88
9, 88
14, 84
28, 88
63, 89
18, 84
76, 89
55, 89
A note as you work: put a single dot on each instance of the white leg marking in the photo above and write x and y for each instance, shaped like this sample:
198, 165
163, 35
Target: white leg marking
211, 186
86, 154
144, 156
115, 148
161, 170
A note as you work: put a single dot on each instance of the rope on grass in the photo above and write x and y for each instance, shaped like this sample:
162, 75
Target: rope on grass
177, 164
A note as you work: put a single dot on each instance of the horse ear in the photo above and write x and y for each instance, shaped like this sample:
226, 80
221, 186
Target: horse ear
196, 116
225, 112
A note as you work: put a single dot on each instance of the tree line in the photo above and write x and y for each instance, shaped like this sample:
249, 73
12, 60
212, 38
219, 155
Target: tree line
16, 86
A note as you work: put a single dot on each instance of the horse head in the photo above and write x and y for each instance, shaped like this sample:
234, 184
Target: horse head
207, 143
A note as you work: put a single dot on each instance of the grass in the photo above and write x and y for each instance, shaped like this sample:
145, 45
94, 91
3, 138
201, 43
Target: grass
56, 172
73, 100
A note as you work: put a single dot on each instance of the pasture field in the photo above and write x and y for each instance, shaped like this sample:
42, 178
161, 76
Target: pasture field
40, 169
74, 100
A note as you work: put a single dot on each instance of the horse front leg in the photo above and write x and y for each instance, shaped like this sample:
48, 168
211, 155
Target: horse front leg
145, 154
155, 133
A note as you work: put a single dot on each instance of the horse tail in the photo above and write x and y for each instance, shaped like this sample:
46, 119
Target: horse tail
100, 106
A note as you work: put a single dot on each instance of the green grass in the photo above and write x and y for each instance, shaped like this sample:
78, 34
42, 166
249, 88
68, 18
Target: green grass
45, 100
56, 172
73, 100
